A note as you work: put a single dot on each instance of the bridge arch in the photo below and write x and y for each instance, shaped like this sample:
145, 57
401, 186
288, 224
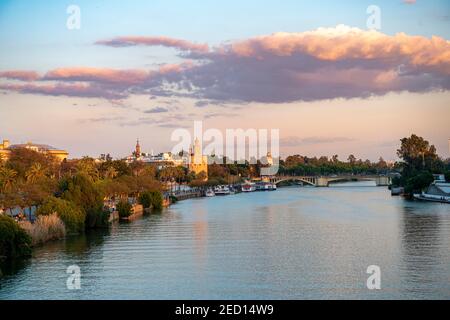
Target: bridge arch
310, 181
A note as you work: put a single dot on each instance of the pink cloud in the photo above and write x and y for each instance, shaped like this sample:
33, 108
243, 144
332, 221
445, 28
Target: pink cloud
19, 75
345, 43
127, 77
154, 41
60, 89
327, 63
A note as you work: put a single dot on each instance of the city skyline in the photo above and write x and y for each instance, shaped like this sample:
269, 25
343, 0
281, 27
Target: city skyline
330, 85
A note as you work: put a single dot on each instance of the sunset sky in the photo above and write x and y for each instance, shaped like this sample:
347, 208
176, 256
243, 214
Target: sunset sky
140, 69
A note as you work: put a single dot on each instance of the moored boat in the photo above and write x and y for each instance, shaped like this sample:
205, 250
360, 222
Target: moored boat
248, 187
436, 192
222, 190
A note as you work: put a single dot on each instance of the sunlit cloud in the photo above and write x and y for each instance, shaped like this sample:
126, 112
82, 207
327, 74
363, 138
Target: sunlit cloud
326, 63
179, 44
19, 75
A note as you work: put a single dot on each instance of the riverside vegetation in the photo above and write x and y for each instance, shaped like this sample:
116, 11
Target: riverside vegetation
73, 196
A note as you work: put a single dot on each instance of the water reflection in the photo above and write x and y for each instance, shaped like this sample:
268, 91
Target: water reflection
425, 253
295, 243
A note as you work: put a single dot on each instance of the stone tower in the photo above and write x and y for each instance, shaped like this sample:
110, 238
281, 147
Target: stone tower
198, 162
138, 149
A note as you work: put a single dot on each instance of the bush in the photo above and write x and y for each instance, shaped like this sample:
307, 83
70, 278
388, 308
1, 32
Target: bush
151, 199
157, 200
72, 216
14, 241
45, 228
146, 199
124, 209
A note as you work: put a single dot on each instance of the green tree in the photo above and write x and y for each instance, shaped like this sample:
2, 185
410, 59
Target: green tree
124, 208
418, 183
81, 190
36, 172
351, 159
87, 167
145, 199
7, 178
72, 216
416, 152
14, 241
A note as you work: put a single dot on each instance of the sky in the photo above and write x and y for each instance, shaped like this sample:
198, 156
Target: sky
141, 69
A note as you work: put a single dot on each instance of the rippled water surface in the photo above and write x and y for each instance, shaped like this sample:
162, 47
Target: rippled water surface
295, 243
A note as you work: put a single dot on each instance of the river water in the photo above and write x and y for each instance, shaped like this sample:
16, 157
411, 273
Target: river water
294, 243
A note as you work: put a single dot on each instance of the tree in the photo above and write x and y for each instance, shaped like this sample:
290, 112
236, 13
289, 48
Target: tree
151, 199
382, 164
124, 209
416, 152
145, 199
14, 241
87, 167
21, 160
335, 158
82, 191
7, 178
351, 159
72, 216
111, 173
36, 172
418, 182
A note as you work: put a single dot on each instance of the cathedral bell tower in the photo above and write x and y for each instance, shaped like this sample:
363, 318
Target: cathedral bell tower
138, 149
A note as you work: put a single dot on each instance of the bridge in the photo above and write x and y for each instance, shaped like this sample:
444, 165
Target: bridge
325, 181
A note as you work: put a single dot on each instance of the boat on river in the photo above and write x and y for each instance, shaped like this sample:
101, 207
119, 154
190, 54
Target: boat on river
209, 193
248, 187
266, 186
222, 190
436, 192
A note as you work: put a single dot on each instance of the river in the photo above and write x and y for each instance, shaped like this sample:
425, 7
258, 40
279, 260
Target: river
294, 243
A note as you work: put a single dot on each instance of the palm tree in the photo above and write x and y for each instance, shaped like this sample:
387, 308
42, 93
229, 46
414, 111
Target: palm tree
7, 178
35, 172
88, 167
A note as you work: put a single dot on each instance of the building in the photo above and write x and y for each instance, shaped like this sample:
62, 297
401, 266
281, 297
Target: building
197, 161
6, 147
137, 151
161, 160
4, 150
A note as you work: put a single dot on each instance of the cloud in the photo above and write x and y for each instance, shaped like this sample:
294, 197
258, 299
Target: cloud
102, 119
330, 63
157, 110
70, 90
201, 103
125, 77
20, 75
179, 44
297, 141
326, 63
